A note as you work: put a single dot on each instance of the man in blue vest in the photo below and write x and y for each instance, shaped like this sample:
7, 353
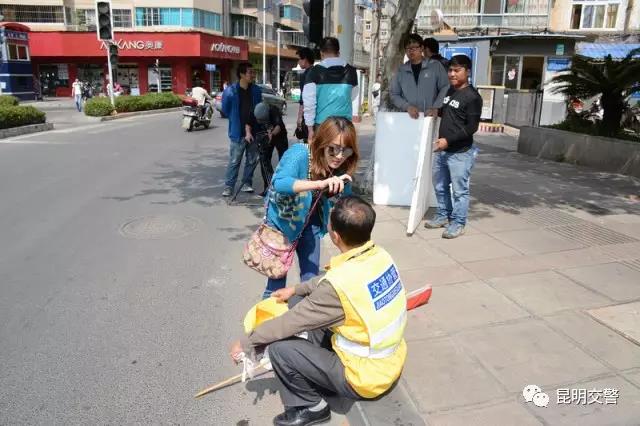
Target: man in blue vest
330, 87
238, 103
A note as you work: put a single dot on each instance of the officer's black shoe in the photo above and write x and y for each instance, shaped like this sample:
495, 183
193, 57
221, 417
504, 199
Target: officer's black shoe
302, 417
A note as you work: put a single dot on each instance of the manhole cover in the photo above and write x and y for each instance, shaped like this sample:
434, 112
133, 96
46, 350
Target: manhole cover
157, 227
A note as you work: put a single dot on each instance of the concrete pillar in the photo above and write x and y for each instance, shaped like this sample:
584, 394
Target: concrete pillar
345, 28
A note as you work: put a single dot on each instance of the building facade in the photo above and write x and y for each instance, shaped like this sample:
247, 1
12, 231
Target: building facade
194, 41
598, 19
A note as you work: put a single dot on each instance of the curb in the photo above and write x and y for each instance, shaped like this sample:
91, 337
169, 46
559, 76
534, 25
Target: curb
135, 113
25, 130
395, 408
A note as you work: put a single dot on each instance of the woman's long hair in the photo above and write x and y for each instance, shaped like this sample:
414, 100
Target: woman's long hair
331, 129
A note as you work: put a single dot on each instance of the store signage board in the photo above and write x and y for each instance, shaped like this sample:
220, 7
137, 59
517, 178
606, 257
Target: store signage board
136, 45
487, 94
210, 67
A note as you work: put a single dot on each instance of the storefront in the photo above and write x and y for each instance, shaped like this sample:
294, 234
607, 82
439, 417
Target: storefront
185, 59
288, 61
16, 76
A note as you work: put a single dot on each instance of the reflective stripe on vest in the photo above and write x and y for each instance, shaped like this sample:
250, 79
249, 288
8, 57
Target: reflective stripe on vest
364, 351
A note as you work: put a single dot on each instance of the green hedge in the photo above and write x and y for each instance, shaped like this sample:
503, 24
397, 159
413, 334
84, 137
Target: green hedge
146, 102
8, 100
98, 107
15, 116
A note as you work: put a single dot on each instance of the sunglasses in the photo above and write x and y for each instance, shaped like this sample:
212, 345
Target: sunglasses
334, 150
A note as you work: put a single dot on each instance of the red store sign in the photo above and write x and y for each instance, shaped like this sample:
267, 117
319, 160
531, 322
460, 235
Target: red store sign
153, 45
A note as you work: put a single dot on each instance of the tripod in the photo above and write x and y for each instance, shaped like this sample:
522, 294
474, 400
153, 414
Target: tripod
262, 139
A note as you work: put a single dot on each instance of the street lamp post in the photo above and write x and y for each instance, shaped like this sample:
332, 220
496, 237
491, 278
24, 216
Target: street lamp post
264, 41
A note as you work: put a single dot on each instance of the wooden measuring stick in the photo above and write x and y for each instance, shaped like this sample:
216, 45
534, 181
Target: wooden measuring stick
228, 382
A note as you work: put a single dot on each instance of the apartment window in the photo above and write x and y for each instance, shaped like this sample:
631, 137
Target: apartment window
367, 25
122, 18
243, 26
34, 14
85, 17
251, 4
291, 12
153, 16
17, 52
586, 15
235, 3
383, 33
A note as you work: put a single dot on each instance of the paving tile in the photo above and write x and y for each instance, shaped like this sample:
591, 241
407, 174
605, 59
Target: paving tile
390, 230
505, 266
506, 413
625, 412
497, 221
623, 218
395, 212
571, 258
624, 319
420, 325
435, 275
634, 376
459, 306
598, 339
436, 234
382, 214
536, 241
615, 280
529, 352
547, 292
415, 254
469, 248
439, 374
621, 251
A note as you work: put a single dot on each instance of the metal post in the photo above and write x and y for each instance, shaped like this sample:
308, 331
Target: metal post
158, 89
110, 85
264, 41
278, 75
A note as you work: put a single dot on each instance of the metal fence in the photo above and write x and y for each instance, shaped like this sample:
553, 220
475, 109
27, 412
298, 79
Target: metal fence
523, 108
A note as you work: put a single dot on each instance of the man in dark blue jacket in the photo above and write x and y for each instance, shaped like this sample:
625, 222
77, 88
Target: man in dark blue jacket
238, 103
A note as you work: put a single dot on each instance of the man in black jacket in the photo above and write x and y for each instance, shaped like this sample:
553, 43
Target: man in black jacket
455, 153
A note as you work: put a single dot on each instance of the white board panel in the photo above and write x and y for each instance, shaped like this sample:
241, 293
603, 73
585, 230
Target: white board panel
396, 158
423, 187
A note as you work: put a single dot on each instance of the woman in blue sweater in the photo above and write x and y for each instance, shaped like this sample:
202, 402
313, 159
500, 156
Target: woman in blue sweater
321, 169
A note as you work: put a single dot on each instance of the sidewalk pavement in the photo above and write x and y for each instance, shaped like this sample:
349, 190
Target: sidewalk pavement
62, 113
543, 289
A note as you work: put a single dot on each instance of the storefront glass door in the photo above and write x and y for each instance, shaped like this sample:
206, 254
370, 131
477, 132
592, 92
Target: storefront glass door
128, 77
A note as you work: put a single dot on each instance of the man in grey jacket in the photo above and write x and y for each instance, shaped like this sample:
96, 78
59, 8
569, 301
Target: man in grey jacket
421, 84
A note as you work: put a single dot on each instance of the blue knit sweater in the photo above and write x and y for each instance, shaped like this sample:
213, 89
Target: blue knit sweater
286, 210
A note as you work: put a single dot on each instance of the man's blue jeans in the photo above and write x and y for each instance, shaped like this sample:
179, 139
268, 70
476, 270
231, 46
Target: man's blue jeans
237, 148
453, 169
308, 251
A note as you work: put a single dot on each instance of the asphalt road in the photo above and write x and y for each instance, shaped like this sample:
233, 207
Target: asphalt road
121, 277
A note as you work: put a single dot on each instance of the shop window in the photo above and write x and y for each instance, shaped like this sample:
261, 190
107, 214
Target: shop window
17, 52
497, 70
34, 14
53, 77
165, 79
586, 15
122, 18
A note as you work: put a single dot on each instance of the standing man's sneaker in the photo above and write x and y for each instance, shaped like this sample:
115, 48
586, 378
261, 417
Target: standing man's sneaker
436, 222
227, 192
454, 230
246, 188
302, 417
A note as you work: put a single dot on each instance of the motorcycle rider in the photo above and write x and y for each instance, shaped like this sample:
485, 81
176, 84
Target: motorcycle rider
200, 94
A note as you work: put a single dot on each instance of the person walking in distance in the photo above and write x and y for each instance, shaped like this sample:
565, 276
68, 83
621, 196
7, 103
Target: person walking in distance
455, 153
76, 92
330, 87
238, 103
421, 84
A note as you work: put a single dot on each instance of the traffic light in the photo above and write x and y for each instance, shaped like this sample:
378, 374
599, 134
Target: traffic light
113, 55
105, 24
315, 11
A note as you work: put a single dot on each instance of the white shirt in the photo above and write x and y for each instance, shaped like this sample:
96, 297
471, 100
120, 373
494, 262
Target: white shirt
76, 88
199, 94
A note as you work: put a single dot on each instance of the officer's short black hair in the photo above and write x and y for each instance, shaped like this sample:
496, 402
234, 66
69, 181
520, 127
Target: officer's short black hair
330, 45
306, 53
460, 61
431, 44
242, 68
353, 219
413, 38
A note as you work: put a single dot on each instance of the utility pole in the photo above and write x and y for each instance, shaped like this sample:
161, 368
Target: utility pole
375, 51
110, 66
264, 41
345, 28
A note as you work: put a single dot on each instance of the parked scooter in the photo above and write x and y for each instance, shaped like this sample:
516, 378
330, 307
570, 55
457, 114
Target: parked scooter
195, 116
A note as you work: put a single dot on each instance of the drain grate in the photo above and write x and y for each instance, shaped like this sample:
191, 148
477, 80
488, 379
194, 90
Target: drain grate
159, 227
591, 234
490, 195
546, 217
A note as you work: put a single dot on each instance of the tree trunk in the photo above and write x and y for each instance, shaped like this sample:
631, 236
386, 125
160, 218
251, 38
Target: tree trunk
613, 106
400, 26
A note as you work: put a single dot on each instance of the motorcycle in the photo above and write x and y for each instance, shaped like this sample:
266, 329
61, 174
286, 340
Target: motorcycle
195, 116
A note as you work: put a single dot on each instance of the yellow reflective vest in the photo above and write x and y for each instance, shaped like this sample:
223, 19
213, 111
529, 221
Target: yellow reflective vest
370, 343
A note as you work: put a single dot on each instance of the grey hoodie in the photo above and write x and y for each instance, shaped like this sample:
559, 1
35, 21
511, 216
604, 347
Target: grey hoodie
429, 93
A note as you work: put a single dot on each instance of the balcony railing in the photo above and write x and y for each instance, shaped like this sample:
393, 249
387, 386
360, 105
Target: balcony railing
480, 20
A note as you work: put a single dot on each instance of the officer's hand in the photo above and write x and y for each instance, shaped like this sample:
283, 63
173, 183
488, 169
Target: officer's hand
440, 145
284, 294
413, 112
235, 351
431, 112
